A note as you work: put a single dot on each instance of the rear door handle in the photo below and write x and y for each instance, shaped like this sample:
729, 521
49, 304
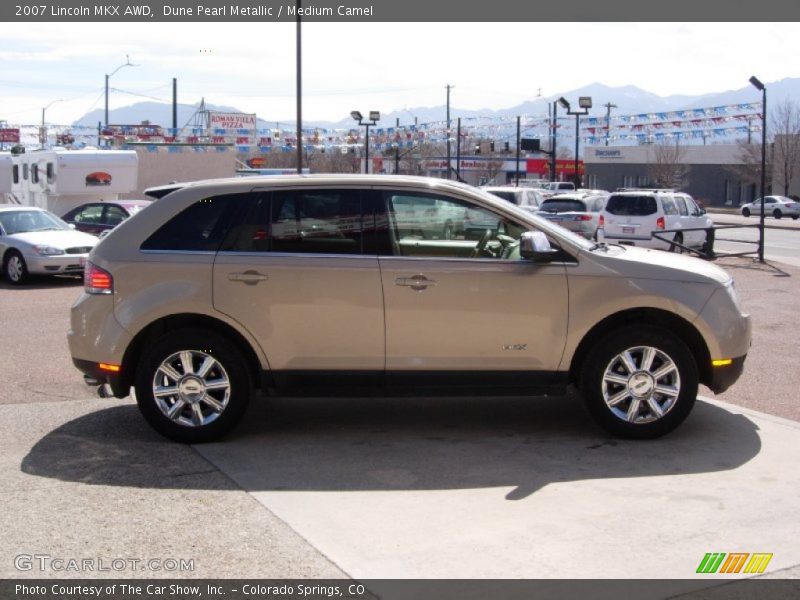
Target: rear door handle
416, 282
248, 277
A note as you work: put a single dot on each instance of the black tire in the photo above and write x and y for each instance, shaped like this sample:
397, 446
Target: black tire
678, 239
605, 358
795, 217
745, 212
14, 268
777, 214
228, 366
448, 233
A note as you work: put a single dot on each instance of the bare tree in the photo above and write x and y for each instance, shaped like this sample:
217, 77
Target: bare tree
666, 167
785, 126
748, 168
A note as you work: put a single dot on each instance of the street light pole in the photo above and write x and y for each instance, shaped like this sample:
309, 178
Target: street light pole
128, 63
374, 117
760, 86
585, 102
43, 131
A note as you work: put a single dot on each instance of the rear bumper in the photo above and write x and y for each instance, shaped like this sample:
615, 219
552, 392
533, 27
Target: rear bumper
94, 376
724, 377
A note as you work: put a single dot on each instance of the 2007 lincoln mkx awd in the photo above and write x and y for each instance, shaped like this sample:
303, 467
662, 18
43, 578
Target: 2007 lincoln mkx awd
311, 283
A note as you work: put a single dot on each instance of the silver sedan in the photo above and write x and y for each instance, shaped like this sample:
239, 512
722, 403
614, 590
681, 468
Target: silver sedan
35, 241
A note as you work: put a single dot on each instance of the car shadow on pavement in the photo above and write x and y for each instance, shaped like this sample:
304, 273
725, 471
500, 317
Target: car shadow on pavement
386, 444
43, 282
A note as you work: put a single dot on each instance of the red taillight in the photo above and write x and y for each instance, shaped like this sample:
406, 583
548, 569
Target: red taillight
584, 218
97, 280
601, 222
661, 223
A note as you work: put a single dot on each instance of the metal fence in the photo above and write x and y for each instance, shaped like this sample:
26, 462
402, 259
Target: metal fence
707, 250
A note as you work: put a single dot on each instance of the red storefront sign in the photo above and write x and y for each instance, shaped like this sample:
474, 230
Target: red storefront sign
541, 166
9, 135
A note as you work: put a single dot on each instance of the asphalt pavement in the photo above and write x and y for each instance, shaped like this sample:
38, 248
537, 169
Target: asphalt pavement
475, 487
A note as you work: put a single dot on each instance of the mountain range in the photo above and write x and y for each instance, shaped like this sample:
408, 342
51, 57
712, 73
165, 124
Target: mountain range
629, 100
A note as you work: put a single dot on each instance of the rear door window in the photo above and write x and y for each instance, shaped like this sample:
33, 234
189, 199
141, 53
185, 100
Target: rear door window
632, 206
669, 205
683, 209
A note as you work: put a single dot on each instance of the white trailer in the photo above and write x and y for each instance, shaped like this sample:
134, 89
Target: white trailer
5, 176
58, 180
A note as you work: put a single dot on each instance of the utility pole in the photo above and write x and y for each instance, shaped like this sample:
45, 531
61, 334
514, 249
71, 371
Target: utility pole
608, 106
458, 151
300, 95
518, 134
397, 149
175, 106
448, 87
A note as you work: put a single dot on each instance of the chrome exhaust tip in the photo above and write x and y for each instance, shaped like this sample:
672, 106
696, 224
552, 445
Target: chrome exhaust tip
104, 391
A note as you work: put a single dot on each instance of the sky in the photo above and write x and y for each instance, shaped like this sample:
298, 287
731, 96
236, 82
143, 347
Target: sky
375, 66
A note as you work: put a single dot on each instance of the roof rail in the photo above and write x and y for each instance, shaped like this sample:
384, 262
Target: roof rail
636, 189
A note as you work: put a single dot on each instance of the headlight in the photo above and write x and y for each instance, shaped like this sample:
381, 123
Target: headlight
48, 250
730, 288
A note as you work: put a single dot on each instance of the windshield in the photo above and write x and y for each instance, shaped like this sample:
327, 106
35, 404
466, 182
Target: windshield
22, 221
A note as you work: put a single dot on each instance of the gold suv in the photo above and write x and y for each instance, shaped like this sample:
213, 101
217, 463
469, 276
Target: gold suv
313, 284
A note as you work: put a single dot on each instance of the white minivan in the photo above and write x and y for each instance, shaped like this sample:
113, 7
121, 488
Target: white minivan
630, 217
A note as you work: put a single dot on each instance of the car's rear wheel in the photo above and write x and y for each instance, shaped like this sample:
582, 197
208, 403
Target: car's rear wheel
678, 239
192, 386
777, 214
745, 212
15, 269
639, 382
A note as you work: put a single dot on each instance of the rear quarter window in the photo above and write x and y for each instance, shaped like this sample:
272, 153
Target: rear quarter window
632, 206
200, 227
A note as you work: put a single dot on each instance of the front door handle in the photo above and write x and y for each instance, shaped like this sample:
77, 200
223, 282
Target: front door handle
248, 277
417, 282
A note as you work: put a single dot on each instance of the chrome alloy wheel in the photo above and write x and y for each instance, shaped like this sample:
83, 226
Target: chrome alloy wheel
191, 388
641, 384
15, 268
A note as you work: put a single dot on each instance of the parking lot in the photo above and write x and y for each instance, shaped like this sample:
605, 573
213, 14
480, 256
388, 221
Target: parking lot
380, 488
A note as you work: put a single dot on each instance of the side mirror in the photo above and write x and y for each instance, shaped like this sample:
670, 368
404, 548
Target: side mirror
534, 245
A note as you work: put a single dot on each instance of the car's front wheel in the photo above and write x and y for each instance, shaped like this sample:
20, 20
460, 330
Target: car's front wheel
639, 382
15, 268
192, 386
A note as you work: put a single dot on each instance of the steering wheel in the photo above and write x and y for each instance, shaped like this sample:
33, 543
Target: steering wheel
480, 247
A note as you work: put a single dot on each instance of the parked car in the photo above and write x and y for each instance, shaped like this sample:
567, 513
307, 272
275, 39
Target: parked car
195, 303
98, 218
577, 212
526, 197
777, 206
631, 217
560, 186
35, 241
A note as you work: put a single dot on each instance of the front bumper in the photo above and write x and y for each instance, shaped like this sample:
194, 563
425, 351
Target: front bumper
724, 377
55, 265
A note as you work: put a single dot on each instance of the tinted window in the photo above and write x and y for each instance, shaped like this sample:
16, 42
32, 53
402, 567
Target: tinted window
563, 206
91, 214
508, 196
199, 227
15, 173
633, 206
34, 173
320, 222
115, 215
